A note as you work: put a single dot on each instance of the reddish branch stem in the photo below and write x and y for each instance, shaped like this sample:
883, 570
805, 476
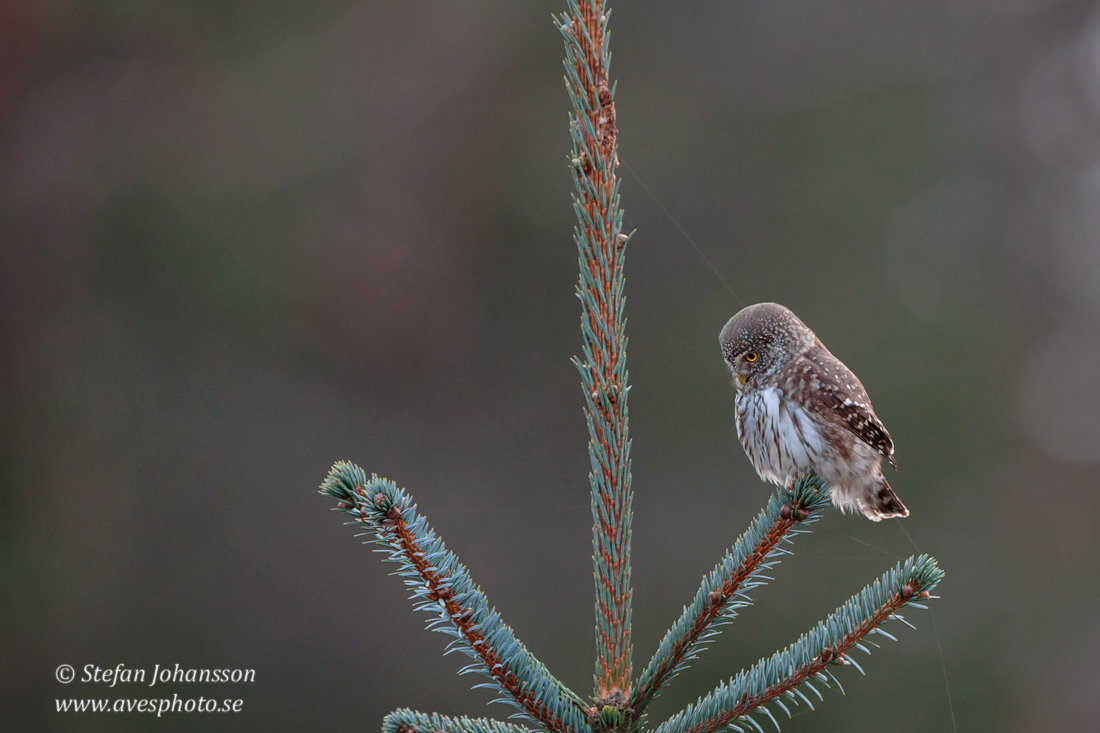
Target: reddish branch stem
613, 602
719, 599
463, 619
828, 655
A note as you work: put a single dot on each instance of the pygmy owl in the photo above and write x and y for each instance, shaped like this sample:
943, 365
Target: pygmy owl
799, 409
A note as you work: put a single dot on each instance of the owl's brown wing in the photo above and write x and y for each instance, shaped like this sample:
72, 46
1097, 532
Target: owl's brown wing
823, 378
857, 417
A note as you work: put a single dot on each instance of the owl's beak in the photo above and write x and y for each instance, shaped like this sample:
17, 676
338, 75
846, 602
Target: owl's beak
741, 378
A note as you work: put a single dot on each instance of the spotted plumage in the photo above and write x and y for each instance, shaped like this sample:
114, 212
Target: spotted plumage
799, 409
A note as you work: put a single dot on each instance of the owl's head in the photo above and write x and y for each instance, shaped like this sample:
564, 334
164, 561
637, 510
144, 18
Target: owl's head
759, 339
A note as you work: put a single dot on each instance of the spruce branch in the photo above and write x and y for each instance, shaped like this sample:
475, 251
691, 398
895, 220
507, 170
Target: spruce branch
723, 591
809, 658
441, 586
404, 720
601, 249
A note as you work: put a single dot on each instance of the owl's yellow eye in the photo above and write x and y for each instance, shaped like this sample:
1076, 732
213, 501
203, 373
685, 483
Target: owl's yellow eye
751, 356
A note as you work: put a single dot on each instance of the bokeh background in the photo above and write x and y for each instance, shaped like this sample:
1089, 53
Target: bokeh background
240, 241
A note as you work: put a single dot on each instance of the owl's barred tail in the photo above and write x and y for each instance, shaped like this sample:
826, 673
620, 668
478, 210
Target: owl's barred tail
882, 503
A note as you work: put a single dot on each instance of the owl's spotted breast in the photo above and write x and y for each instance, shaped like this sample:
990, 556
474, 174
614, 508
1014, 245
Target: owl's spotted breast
780, 439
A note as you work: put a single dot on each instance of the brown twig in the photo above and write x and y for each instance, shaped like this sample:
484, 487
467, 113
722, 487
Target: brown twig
717, 600
400, 536
828, 654
595, 164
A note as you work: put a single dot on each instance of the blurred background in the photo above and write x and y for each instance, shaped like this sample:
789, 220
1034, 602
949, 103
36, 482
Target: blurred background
239, 242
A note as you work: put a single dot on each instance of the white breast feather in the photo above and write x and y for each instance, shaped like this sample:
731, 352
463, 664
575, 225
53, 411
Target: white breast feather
781, 439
